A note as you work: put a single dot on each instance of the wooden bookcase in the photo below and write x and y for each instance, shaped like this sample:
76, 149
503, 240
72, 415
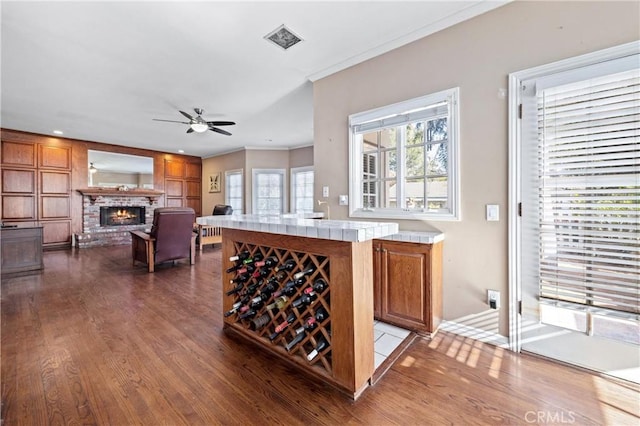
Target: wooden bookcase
348, 362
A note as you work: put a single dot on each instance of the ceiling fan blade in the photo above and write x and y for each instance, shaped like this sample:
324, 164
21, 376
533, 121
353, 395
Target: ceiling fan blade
215, 129
170, 121
189, 130
186, 115
221, 123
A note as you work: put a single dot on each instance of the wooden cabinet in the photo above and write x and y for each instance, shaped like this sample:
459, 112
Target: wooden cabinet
21, 250
182, 184
36, 186
408, 284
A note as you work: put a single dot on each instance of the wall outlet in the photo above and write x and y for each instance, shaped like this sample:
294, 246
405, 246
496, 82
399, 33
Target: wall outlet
325, 191
343, 200
493, 299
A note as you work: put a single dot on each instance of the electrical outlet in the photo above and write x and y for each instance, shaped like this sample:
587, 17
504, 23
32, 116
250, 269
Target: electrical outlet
493, 299
343, 200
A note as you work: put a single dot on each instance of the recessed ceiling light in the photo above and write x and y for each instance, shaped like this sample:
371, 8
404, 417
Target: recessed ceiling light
181, 151
58, 132
283, 37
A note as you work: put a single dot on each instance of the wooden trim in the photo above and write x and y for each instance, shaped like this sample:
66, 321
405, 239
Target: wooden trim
94, 193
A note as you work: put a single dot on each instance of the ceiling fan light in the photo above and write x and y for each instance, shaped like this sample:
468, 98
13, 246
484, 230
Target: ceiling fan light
199, 127
92, 168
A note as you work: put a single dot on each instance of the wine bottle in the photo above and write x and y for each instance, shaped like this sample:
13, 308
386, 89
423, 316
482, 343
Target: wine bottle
282, 326
240, 256
242, 278
246, 269
321, 314
271, 286
256, 303
289, 265
321, 345
256, 258
301, 274
319, 285
235, 267
261, 273
306, 299
233, 309
258, 323
251, 289
278, 303
249, 313
235, 290
269, 262
309, 325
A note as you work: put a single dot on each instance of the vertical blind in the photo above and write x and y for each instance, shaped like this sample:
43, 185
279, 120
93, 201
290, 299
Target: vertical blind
589, 195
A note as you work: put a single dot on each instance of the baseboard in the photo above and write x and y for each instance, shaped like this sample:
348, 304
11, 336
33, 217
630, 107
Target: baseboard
475, 333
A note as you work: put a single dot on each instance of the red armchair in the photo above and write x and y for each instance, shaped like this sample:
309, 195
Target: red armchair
171, 238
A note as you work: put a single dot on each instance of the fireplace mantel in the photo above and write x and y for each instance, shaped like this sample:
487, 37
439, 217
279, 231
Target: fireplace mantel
94, 193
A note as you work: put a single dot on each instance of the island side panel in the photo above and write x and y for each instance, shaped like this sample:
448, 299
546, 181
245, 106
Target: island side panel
352, 310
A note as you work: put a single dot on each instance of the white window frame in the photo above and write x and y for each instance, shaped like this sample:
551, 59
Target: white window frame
227, 200
254, 188
356, 209
294, 172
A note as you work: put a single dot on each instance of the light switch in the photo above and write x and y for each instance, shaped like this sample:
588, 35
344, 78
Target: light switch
493, 212
343, 200
325, 191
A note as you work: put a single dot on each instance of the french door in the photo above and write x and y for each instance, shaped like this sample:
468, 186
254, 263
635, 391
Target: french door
575, 226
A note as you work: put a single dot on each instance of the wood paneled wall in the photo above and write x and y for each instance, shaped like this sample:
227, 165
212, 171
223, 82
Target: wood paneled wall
40, 175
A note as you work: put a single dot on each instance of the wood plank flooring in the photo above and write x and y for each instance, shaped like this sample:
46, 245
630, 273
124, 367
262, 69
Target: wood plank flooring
94, 340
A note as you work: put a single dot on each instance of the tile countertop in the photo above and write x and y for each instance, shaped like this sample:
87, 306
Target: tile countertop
416, 237
304, 226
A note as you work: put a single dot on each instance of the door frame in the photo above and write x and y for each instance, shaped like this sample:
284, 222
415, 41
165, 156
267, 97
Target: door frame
515, 163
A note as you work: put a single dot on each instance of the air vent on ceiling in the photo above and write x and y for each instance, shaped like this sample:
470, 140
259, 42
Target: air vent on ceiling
283, 37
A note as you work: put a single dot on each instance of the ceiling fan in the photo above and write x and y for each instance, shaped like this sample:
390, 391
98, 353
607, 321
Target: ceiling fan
199, 125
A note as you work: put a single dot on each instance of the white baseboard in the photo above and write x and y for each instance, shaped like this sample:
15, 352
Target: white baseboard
475, 333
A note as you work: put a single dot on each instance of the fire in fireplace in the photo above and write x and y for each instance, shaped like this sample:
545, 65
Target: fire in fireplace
122, 215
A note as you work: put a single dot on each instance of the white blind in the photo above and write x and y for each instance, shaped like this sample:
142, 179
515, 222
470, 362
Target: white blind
589, 195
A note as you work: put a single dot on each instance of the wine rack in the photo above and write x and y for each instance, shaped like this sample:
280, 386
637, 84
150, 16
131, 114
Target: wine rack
339, 318
264, 321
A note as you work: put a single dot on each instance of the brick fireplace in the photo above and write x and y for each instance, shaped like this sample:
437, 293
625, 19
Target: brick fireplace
109, 215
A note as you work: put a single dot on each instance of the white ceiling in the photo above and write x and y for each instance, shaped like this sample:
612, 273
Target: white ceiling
101, 71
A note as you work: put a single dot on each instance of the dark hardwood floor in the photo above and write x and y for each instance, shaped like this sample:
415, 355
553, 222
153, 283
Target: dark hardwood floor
94, 341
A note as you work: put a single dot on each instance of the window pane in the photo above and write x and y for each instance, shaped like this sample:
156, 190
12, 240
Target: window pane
390, 194
415, 133
437, 158
414, 161
437, 130
437, 193
388, 137
414, 194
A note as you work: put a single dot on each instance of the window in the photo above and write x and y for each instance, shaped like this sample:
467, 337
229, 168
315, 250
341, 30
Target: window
268, 191
233, 195
302, 190
404, 159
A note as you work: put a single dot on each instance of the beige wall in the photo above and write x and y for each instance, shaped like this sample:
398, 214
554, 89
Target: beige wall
248, 160
301, 157
476, 56
212, 165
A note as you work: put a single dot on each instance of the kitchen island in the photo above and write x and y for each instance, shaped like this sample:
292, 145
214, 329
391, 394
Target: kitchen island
302, 289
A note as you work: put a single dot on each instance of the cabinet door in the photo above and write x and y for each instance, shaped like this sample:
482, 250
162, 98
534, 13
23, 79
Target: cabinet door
405, 284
